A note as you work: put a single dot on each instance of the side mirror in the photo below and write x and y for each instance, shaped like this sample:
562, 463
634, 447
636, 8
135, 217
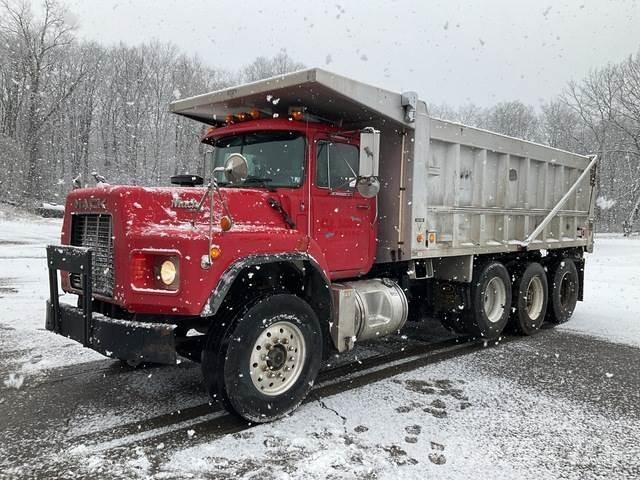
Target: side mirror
236, 168
368, 187
368, 184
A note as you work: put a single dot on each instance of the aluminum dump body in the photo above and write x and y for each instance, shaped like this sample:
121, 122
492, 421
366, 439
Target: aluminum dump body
476, 191
486, 192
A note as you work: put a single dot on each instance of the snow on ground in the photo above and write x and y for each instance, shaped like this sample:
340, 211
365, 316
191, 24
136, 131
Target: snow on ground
611, 307
475, 415
445, 421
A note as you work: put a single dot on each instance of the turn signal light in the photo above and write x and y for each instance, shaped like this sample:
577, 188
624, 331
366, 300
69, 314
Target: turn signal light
215, 252
141, 271
226, 223
432, 237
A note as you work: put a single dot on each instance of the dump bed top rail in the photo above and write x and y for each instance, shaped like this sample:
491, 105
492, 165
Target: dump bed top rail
454, 132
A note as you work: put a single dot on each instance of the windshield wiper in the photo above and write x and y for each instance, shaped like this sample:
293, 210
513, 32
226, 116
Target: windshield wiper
259, 181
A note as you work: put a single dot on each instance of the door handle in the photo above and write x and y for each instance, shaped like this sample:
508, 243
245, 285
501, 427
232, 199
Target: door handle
362, 206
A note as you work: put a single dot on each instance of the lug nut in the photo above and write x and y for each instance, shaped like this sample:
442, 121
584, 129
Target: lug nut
291, 349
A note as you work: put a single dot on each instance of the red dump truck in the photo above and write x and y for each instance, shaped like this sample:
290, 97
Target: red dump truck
331, 209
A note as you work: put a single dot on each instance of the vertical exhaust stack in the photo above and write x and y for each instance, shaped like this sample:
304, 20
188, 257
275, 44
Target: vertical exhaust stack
366, 310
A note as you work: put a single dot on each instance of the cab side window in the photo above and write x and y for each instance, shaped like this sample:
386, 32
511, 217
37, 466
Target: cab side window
336, 165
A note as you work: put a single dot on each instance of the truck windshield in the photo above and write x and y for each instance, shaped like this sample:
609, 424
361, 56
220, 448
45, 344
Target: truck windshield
276, 159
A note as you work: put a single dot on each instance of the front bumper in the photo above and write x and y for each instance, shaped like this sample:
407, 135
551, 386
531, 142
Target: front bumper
123, 339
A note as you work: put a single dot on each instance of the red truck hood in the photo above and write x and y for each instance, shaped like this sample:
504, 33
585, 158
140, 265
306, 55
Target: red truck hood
143, 207
167, 220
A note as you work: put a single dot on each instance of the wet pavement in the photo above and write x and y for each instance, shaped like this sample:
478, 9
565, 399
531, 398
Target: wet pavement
56, 422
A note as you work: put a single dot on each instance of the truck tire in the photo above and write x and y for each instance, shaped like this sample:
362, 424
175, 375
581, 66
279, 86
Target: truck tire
265, 364
530, 294
563, 292
490, 301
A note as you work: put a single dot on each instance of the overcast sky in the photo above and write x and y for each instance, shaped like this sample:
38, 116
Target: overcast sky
449, 51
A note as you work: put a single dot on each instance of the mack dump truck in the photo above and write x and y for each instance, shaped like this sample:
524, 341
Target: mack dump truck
329, 212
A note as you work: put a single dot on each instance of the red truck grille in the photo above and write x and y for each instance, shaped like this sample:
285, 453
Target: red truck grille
95, 231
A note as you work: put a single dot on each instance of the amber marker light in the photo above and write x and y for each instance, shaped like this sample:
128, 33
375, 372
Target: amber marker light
420, 238
215, 252
432, 237
226, 223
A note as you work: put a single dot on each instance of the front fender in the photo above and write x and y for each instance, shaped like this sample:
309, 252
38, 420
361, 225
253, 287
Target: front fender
233, 271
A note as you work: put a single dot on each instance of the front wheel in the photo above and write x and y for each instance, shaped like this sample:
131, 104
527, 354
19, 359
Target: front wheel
266, 363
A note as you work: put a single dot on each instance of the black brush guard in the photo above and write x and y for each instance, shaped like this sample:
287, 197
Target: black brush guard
123, 339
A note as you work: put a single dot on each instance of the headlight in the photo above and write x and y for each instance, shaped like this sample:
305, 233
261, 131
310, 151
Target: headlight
168, 272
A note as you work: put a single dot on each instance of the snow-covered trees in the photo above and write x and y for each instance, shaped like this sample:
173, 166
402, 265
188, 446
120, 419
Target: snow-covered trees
607, 105
69, 107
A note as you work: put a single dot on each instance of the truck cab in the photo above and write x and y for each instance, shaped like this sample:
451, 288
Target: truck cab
311, 169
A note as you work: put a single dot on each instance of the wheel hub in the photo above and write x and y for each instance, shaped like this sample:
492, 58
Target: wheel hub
534, 298
277, 358
495, 298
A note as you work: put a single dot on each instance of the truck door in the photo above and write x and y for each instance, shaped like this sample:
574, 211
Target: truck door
343, 222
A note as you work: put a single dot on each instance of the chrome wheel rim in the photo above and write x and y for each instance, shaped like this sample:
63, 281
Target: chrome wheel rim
534, 299
277, 358
495, 298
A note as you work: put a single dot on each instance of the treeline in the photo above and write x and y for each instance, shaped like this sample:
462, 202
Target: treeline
70, 107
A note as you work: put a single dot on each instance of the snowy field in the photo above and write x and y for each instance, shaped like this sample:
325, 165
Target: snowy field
562, 404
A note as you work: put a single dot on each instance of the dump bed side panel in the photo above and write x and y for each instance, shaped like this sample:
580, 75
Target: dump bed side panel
486, 192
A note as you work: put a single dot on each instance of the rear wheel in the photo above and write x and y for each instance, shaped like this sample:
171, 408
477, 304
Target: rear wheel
267, 361
530, 293
563, 292
490, 301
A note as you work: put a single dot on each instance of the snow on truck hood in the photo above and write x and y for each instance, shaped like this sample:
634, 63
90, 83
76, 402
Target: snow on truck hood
176, 208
